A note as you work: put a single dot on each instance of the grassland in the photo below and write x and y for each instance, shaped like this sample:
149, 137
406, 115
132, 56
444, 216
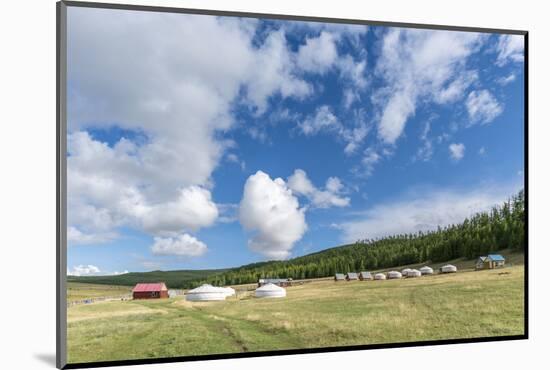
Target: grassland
317, 314
81, 291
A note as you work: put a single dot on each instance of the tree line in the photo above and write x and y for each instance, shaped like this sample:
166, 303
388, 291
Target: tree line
500, 228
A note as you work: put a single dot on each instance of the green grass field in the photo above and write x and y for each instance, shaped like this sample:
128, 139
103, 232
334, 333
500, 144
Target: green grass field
316, 314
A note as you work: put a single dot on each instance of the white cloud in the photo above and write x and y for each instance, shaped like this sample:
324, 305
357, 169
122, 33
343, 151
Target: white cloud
354, 137
455, 90
272, 214
109, 187
398, 109
271, 70
482, 151
148, 73
318, 54
510, 49
423, 64
457, 151
76, 236
482, 107
192, 210
352, 32
505, 80
353, 71
233, 158
370, 159
422, 212
122, 72
300, 184
324, 120
425, 151
91, 270
181, 245
84, 270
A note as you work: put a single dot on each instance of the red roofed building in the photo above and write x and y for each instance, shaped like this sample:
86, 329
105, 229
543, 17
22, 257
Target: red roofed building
150, 290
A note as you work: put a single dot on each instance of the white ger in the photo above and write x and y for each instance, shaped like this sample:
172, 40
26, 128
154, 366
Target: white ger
270, 291
394, 275
229, 291
426, 270
448, 268
414, 273
206, 292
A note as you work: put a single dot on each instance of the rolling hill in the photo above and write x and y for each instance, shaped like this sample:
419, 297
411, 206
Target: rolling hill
176, 279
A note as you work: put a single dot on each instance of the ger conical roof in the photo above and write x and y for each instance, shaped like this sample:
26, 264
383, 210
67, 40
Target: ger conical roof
207, 288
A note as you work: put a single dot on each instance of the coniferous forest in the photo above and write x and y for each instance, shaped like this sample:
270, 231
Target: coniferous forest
485, 232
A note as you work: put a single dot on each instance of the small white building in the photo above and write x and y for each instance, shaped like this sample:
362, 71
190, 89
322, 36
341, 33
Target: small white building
394, 275
447, 269
404, 272
414, 273
426, 270
206, 292
270, 291
379, 276
365, 275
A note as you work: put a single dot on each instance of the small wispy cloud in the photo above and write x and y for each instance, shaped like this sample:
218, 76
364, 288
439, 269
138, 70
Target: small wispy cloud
91, 270
482, 107
330, 196
233, 158
457, 151
505, 80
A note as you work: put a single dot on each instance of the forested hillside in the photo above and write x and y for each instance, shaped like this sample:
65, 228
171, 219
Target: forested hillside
501, 228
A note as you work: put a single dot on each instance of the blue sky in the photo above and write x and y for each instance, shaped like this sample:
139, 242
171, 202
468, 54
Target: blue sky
272, 139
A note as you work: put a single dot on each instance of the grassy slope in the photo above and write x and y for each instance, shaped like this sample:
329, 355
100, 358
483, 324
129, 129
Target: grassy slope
317, 314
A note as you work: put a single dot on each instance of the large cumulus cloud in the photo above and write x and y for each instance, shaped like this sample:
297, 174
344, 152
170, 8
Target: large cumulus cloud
272, 214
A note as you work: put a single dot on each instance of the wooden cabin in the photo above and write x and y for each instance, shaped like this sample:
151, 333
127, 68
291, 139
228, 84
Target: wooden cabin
339, 277
150, 291
490, 262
